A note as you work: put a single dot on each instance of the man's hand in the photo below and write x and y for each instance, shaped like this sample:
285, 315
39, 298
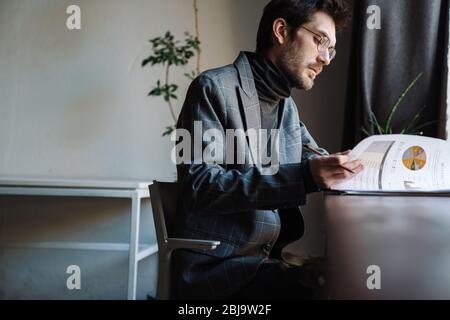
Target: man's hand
328, 171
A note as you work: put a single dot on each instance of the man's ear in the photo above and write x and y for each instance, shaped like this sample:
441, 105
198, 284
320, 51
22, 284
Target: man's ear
280, 31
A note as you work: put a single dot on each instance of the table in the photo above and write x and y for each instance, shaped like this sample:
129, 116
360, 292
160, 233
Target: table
406, 238
133, 190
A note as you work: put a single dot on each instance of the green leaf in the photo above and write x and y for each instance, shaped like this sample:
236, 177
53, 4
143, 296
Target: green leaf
155, 92
414, 120
146, 61
191, 76
374, 121
426, 124
366, 132
169, 130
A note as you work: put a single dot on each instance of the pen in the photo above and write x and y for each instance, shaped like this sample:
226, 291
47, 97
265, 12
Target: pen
315, 151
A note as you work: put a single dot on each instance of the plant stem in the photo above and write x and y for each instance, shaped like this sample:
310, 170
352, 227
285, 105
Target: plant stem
412, 123
366, 132
169, 101
426, 124
197, 35
374, 121
399, 100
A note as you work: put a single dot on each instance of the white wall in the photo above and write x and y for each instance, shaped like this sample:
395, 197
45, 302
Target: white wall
74, 104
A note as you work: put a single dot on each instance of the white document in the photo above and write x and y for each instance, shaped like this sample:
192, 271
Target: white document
403, 163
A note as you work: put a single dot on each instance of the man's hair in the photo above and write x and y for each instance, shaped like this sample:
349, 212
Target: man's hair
296, 13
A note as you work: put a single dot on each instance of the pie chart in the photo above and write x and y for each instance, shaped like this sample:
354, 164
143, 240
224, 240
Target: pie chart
414, 158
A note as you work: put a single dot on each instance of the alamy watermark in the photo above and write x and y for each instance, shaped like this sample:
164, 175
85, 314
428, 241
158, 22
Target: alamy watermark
73, 22
73, 282
374, 280
213, 146
374, 20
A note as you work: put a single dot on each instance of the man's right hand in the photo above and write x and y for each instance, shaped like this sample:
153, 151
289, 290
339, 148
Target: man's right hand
328, 171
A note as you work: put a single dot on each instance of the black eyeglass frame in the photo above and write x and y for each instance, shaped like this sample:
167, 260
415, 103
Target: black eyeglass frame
323, 44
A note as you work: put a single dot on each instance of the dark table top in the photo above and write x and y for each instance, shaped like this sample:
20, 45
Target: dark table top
408, 238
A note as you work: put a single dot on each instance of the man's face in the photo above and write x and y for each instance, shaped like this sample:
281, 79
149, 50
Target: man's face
299, 57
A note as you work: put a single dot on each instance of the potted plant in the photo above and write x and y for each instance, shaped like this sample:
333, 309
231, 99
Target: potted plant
411, 128
169, 52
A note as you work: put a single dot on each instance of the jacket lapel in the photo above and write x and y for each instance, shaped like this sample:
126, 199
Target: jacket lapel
250, 104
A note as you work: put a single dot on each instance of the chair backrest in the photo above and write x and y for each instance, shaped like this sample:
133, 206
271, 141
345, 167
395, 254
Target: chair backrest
164, 197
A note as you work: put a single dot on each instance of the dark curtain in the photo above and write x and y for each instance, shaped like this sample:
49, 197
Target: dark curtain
413, 38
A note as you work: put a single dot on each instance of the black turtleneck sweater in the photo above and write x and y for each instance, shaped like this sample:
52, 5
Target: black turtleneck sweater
273, 87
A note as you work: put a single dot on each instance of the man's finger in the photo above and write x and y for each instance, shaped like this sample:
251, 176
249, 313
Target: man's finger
343, 153
337, 160
353, 165
342, 172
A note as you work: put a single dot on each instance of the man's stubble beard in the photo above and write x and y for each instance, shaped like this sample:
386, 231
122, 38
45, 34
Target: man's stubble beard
289, 63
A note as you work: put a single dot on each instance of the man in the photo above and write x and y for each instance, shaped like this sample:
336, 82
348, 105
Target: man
250, 208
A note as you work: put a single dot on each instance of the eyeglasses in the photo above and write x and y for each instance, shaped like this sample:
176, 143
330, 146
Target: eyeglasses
323, 45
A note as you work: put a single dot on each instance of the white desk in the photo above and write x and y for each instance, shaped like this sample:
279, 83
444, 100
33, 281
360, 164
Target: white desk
88, 188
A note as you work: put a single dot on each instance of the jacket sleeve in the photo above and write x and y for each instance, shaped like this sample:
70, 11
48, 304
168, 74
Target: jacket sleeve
210, 188
309, 140
310, 184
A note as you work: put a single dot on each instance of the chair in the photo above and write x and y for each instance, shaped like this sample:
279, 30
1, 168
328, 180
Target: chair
163, 196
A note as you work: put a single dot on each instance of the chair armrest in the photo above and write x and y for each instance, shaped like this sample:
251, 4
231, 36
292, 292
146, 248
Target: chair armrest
177, 243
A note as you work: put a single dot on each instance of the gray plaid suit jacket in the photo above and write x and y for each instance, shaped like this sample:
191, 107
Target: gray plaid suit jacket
251, 214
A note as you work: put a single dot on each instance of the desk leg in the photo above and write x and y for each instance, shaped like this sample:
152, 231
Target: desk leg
134, 246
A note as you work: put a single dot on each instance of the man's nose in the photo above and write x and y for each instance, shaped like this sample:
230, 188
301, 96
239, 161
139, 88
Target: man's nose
324, 58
